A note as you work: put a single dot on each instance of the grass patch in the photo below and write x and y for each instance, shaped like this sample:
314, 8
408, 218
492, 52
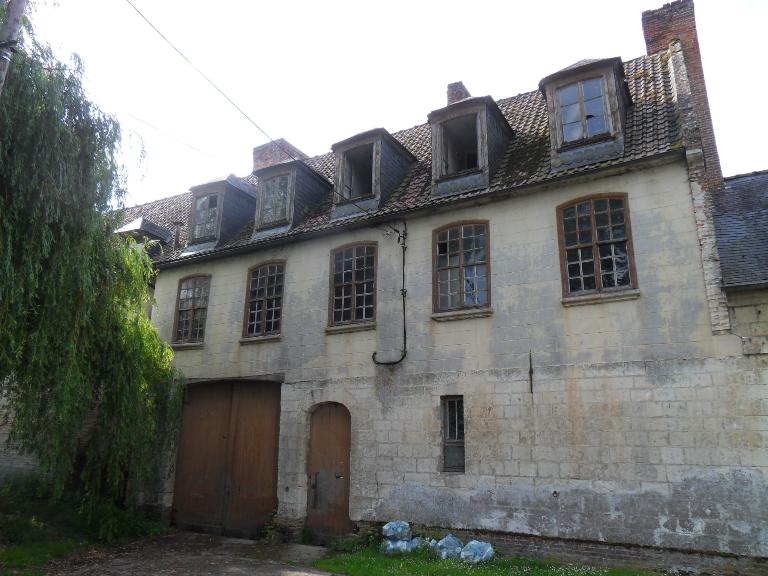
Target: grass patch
34, 529
370, 562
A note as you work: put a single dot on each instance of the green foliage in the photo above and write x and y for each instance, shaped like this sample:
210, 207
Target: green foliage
90, 383
370, 539
35, 529
369, 562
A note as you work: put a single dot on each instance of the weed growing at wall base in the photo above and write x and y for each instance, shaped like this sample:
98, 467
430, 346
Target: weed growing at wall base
370, 562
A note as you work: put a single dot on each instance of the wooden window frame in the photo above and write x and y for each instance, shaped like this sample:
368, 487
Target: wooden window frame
219, 211
447, 441
375, 246
633, 284
344, 199
248, 300
608, 109
435, 272
175, 339
442, 173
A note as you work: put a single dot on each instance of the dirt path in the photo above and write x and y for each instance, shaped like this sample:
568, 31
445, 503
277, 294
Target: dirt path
194, 555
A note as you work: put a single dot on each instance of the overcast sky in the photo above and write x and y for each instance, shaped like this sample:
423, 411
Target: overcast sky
318, 72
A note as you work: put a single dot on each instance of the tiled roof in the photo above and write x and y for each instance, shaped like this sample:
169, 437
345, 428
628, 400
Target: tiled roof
741, 221
166, 212
651, 129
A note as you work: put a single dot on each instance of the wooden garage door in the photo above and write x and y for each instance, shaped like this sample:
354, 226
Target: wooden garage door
226, 470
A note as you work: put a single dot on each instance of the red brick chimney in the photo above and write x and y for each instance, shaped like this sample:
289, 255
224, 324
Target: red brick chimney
274, 153
677, 21
457, 91
673, 27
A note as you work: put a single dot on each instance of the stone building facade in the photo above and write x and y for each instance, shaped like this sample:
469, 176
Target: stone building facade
629, 409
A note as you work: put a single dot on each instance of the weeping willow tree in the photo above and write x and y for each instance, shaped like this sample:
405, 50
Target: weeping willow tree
89, 382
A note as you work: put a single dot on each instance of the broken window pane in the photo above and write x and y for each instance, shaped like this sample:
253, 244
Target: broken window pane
461, 273
191, 310
357, 179
582, 110
460, 144
206, 217
274, 201
610, 243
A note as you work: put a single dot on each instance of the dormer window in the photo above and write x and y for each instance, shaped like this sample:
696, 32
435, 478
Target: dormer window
286, 193
469, 139
274, 201
582, 110
369, 167
357, 177
587, 104
206, 217
460, 145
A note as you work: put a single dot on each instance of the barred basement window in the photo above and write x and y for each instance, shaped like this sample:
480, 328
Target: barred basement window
453, 433
274, 201
461, 276
192, 309
264, 306
206, 217
596, 245
353, 284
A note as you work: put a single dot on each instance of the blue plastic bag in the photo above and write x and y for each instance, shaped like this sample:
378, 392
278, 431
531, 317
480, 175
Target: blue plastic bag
389, 547
396, 530
476, 551
449, 547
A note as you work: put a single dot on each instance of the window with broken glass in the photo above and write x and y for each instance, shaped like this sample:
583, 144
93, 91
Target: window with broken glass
582, 110
265, 300
453, 433
460, 145
596, 245
353, 295
357, 177
192, 309
206, 216
461, 266
274, 201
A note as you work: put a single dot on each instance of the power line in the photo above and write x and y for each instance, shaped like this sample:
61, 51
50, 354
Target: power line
169, 135
242, 112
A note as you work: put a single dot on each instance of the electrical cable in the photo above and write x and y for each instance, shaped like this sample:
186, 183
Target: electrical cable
242, 112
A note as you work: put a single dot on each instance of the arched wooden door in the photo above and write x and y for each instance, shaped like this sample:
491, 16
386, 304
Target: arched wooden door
226, 466
328, 471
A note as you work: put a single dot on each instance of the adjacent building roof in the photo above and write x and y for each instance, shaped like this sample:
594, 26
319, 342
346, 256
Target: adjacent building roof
651, 130
741, 221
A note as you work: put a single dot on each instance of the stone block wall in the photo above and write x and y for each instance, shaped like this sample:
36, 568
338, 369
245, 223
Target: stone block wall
641, 427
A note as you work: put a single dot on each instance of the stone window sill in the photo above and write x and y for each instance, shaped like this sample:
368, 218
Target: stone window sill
462, 314
345, 328
187, 345
600, 297
260, 339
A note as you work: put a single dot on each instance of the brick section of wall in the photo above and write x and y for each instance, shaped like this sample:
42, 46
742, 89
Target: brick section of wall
275, 152
456, 92
601, 554
673, 27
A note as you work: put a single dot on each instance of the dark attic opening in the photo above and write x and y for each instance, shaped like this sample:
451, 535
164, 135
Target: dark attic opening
358, 172
460, 144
